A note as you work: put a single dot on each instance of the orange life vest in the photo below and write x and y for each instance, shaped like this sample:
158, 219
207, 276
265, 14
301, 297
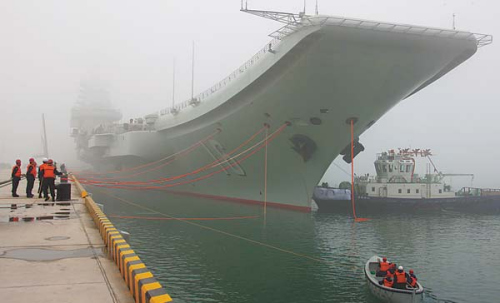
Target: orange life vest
48, 171
33, 170
18, 172
400, 277
389, 274
413, 281
384, 266
388, 283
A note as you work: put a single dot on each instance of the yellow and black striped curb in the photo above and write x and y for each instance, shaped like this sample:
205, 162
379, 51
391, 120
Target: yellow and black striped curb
143, 286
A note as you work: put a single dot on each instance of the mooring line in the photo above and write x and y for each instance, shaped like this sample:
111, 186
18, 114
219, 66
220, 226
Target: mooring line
226, 233
185, 219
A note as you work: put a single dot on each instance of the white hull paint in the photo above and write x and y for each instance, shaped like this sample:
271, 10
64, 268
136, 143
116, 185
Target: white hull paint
348, 71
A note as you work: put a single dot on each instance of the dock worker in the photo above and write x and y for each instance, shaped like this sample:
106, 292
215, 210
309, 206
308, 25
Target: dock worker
387, 282
49, 177
412, 279
400, 278
383, 267
40, 177
16, 177
31, 175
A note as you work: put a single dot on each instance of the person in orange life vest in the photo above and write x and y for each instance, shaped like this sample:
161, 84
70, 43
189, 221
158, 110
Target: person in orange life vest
391, 272
16, 177
30, 177
387, 282
412, 279
400, 278
40, 177
49, 177
383, 267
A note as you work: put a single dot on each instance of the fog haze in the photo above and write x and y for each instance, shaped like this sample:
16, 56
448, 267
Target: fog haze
48, 47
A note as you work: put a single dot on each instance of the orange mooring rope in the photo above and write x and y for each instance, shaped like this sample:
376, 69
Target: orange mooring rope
182, 152
256, 148
265, 173
185, 219
356, 219
163, 180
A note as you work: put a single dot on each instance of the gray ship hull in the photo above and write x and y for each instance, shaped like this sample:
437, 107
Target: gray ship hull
316, 79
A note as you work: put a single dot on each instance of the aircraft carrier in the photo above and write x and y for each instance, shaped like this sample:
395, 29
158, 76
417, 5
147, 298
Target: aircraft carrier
268, 131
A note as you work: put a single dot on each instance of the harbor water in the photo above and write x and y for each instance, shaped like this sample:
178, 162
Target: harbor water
215, 251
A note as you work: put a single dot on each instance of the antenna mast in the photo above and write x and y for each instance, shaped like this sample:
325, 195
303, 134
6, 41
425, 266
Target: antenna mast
317, 11
192, 74
454, 27
173, 85
44, 142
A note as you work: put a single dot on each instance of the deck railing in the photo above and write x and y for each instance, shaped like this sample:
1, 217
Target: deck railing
307, 21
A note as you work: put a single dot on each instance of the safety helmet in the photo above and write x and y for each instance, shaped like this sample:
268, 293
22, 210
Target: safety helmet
45, 160
400, 267
32, 160
50, 161
18, 162
385, 259
411, 271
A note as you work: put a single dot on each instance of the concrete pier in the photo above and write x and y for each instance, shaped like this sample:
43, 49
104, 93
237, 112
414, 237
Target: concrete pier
53, 252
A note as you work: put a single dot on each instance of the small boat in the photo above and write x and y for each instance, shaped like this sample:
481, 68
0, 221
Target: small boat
387, 294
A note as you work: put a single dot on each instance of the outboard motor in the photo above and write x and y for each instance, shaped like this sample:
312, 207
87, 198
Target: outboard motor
346, 152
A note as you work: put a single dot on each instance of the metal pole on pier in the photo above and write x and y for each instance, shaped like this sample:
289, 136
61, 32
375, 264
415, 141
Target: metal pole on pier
192, 74
44, 142
173, 84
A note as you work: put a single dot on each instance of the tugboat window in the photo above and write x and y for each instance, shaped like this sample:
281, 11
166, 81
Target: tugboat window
390, 168
373, 188
408, 191
384, 167
417, 191
402, 168
400, 191
407, 168
440, 191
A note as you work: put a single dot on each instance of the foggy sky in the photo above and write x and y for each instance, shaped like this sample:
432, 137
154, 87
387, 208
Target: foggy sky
48, 46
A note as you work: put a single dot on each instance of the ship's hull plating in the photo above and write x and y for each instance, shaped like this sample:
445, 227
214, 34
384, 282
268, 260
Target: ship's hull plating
316, 79
372, 205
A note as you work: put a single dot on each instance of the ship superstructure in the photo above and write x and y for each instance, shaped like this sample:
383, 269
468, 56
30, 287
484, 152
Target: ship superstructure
396, 178
315, 76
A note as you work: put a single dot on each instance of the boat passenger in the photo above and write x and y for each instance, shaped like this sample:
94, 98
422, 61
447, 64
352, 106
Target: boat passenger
412, 279
383, 267
400, 278
387, 282
391, 272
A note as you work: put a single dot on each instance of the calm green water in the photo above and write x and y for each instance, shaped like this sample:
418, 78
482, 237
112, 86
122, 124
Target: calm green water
303, 257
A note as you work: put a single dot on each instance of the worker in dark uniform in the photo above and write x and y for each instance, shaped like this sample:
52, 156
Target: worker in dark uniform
40, 177
31, 174
16, 177
49, 173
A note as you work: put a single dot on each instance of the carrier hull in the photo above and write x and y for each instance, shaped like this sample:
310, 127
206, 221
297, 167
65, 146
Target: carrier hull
315, 79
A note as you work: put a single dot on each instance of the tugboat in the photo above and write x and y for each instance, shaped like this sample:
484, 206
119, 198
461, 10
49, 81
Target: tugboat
397, 188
